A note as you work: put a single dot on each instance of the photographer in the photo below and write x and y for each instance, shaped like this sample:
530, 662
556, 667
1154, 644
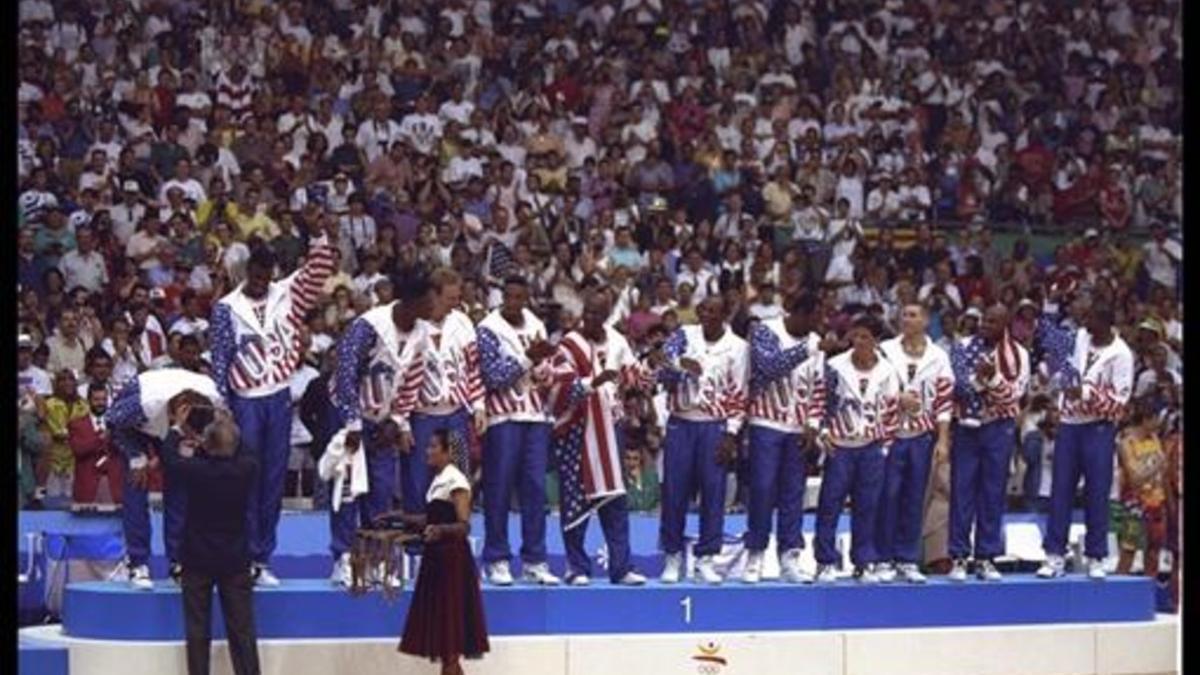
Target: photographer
200, 454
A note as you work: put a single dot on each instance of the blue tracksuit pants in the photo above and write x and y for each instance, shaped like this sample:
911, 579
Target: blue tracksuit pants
614, 521
1087, 450
859, 473
414, 472
978, 474
690, 462
902, 507
777, 478
266, 426
515, 457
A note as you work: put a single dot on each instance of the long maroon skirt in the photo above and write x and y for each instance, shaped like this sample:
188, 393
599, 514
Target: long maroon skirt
445, 617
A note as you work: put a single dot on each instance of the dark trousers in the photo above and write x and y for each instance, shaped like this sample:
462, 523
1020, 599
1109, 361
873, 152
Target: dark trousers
690, 464
1087, 450
614, 520
777, 477
898, 537
859, 474
237, 608
978, 474
135, 509
266, 425
515, 457
1031, 455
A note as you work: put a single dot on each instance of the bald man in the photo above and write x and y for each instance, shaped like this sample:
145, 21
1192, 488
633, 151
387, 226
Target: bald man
991, 374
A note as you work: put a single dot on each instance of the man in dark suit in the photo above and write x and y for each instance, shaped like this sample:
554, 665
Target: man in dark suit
97, 463
215, 552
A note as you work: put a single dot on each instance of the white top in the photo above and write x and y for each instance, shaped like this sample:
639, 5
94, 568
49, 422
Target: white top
446, 482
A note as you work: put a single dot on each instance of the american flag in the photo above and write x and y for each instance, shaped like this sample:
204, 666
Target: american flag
585, 440
965, 357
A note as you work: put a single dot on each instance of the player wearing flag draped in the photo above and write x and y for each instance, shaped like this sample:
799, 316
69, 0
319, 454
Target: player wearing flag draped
379, 372
861, 419
591, 368
786, 371
257, 347
451, 393
926, 405
1093, 368
140, 417
991, 374
514, 361
707, 382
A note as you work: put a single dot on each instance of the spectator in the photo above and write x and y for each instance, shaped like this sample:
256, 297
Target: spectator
98, 477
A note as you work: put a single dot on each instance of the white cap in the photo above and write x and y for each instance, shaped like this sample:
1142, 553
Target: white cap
24, 340
131, 186
1090, 232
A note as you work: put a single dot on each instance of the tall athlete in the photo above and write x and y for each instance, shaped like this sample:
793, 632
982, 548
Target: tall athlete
593, 365
991, 374
707, 382
451, 394
926, 404
139, 418
514, 361
861, 408
1094, 367
379, 371
786, 371
257, 347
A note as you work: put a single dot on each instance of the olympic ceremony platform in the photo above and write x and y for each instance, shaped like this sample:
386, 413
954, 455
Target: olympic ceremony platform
1019, 626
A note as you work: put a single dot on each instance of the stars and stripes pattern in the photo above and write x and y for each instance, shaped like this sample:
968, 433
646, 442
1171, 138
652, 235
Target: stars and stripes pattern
366, 379
860, 408
785, 384
248, 362
452, 378
720, 392
996, 400
1104, 375
931, 378
512, 392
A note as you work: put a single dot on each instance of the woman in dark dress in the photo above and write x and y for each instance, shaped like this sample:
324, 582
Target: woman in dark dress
445, 619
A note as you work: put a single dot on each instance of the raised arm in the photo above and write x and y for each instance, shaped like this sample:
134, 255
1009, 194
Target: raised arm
305, 285
673, 349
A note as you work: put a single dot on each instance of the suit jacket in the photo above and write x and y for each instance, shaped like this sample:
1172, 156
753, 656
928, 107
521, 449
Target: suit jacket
218, 489
96, 459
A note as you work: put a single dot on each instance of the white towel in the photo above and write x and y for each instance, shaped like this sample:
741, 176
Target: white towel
333, 467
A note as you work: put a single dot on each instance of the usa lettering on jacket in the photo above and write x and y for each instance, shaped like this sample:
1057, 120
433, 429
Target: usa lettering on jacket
930, 377
451, 379
786, 394
861, 407
515, 388
720, 391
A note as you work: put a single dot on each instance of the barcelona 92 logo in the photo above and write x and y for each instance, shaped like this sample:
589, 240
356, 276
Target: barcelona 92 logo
708, 660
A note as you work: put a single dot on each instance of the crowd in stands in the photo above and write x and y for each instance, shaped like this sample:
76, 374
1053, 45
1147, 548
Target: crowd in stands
670, 149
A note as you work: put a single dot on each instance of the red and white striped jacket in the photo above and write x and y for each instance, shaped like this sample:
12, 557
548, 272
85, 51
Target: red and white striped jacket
253, 358
796, 400
720, 392
452, 380
930, 377
861, 407
380, 369
1107, 381
515, 390
1000, 397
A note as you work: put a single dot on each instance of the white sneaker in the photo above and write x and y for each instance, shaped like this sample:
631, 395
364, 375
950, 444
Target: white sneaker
910, 573
499, 574
1095, 569
959, 572
707, 571
342, 574
632, 578
672, 567
1054, 567
986, 571
886, 572
263, 577
139, 578
539, 573
826, 574
867, 575
753, 571
578, 579
790, 570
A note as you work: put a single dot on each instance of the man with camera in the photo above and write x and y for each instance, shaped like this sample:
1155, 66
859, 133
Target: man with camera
200, 452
